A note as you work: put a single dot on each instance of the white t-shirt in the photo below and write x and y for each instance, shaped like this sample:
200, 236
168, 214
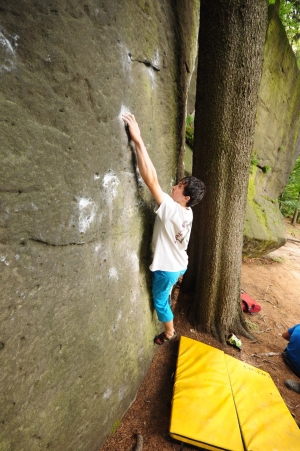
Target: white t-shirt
171, 234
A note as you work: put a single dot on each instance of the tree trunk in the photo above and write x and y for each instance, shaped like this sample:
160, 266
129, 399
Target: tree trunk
231, 39
295, 215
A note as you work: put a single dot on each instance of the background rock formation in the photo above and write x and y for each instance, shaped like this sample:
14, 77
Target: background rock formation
276, 143
77, 322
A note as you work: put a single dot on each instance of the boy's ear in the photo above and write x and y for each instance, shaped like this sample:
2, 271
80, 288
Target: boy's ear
187, 199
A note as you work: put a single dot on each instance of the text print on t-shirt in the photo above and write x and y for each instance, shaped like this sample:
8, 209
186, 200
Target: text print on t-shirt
184, 232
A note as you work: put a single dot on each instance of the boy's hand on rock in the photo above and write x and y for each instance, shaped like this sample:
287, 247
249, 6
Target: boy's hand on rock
134, 130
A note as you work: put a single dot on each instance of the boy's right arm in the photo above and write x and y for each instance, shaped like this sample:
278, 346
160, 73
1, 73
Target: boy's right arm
146, 167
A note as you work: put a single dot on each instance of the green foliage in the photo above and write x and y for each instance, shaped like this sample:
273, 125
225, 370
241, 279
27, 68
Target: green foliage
289, 13
189, 131
253, 161
266, 168
115, 426
290, 200
252, 326
277, 259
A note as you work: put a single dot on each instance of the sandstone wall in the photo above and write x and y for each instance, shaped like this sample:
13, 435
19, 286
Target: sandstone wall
276, 143
77, 321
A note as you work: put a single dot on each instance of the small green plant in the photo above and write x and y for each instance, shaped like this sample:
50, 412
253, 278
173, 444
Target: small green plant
277, 259
115, 426
253, 161
266, 168
253, 326
289, 200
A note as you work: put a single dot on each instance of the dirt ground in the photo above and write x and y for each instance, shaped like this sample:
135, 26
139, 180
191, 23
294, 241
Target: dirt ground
274, 281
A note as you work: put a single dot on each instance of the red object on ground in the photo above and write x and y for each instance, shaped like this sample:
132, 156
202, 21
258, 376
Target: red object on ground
249, 305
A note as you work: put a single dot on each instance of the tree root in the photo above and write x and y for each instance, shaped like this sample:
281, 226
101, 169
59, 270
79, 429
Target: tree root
239, 328
139, 443
266, 330
212, 323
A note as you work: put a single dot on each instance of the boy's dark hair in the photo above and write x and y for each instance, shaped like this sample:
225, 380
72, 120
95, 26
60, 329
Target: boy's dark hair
194, 188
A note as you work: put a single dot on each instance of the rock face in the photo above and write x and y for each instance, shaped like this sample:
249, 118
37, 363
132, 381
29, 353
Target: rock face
276, 143
77, 321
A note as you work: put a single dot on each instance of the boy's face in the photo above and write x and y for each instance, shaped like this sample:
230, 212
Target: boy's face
177, 194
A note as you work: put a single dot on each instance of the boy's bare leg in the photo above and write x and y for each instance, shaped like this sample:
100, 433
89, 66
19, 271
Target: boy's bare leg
169, 329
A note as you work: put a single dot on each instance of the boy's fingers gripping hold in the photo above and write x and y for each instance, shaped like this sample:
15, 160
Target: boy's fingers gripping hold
134, 130
128, 118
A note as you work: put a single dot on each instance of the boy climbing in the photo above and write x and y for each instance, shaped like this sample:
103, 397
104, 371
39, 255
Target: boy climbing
172, 230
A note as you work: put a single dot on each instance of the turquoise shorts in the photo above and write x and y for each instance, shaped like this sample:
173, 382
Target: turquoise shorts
162, 283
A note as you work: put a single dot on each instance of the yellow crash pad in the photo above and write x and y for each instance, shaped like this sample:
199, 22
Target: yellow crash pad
265, 421
203, 411
222, 403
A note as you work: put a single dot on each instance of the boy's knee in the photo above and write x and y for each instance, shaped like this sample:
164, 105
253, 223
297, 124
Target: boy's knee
164, 317
163, 310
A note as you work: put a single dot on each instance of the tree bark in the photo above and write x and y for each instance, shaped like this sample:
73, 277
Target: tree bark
231, 40
295, 217
296, 213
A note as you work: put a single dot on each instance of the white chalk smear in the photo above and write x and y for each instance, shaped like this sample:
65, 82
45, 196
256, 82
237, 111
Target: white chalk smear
87, 213
156, 59
133, 298
15, 39
151, 71
96, 176
122, 392
123, 110
107, 393
3, 260
119, 316
110, 183
126, 61
134, 262
7, 54
113, 273
151, 74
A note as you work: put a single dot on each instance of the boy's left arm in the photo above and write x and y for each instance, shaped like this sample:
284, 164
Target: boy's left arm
146, 167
